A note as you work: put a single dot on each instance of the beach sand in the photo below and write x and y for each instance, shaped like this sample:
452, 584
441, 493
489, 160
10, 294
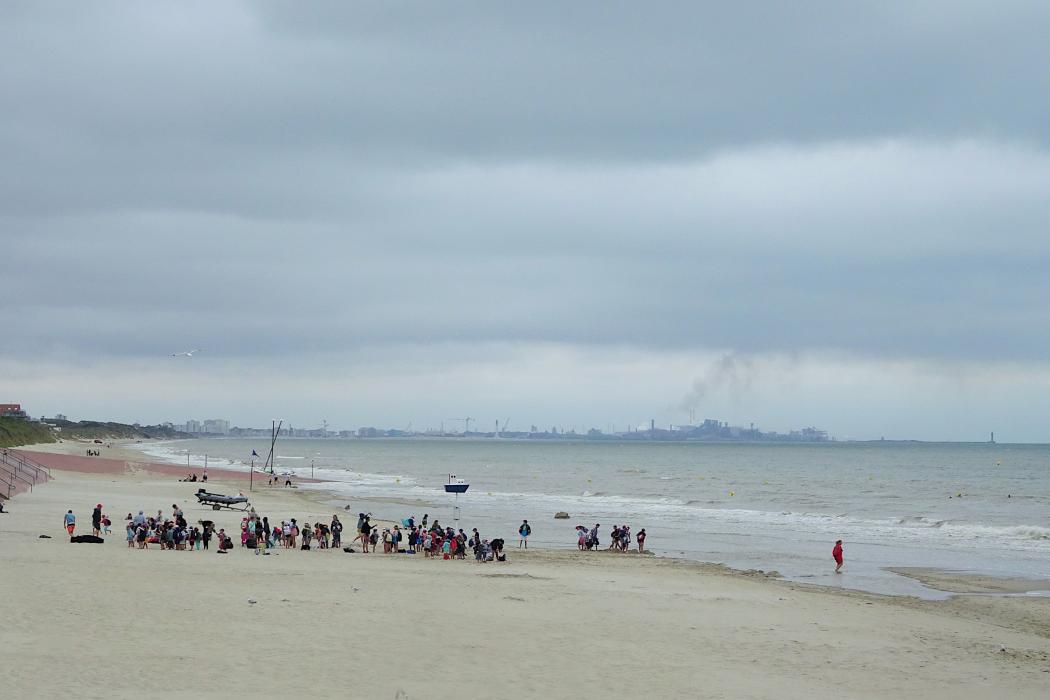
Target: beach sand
106, 621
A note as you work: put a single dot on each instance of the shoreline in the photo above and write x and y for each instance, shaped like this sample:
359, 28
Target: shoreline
127, 455
673, 626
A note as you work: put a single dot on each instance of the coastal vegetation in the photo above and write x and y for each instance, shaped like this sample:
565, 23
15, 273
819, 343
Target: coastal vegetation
19, 431
95, 430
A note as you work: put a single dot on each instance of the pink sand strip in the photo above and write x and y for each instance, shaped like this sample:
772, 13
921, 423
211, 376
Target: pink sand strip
102, 465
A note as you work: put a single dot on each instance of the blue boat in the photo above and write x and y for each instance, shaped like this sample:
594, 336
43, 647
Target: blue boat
455, 485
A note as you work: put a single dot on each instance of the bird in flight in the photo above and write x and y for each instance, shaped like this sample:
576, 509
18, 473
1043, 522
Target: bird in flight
188, 353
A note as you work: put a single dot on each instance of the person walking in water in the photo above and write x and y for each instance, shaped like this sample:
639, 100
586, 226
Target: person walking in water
70, 522
525, 530
836, 554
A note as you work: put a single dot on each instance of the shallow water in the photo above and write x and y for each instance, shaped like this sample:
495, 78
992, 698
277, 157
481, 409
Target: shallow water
978, 507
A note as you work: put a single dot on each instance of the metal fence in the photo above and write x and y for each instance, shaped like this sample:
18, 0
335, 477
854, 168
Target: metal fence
16, 469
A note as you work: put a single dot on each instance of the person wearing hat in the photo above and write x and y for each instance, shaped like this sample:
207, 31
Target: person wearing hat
96, 520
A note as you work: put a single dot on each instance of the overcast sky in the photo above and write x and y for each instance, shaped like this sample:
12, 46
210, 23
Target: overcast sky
573, 214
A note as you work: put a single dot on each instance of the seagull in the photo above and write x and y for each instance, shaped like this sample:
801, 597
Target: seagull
188, 353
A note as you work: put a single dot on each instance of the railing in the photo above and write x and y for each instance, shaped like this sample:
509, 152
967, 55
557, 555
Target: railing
10, 478
42, 473
16, 467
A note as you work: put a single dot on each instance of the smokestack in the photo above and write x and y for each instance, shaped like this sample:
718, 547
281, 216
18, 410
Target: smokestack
652, 424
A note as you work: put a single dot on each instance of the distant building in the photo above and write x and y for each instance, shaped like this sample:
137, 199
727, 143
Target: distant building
12, 410
217, 426
194, 426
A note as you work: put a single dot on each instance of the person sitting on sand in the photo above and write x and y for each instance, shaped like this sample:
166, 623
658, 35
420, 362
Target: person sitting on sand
836, 554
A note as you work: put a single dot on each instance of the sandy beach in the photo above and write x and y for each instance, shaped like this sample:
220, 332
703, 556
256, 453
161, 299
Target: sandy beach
108, 621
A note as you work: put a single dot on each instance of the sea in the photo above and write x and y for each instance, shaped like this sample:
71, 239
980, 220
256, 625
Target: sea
976, 508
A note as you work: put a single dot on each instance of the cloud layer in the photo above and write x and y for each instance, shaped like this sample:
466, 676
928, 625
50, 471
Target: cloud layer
313, 192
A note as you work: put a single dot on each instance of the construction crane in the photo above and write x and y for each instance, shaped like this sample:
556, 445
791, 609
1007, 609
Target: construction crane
500, 432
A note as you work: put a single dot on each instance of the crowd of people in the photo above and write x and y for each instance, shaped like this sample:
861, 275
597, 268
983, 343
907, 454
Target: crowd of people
426, 538
587, 539
257, 533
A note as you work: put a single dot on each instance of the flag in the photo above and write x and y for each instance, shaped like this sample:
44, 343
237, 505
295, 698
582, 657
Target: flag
254, 453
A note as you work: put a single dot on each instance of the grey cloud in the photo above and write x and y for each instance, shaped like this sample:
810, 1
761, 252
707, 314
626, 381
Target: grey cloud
269, 182
764, 250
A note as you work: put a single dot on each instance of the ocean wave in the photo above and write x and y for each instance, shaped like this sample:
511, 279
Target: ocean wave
920, 521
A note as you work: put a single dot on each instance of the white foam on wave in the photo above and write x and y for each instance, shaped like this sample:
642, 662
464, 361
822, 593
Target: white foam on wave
170, 453
679, 513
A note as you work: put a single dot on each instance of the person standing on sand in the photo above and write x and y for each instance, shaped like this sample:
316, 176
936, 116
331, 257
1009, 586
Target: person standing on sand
69, 522
836, 554
96, 520
525, 530
641, 541
337, 532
